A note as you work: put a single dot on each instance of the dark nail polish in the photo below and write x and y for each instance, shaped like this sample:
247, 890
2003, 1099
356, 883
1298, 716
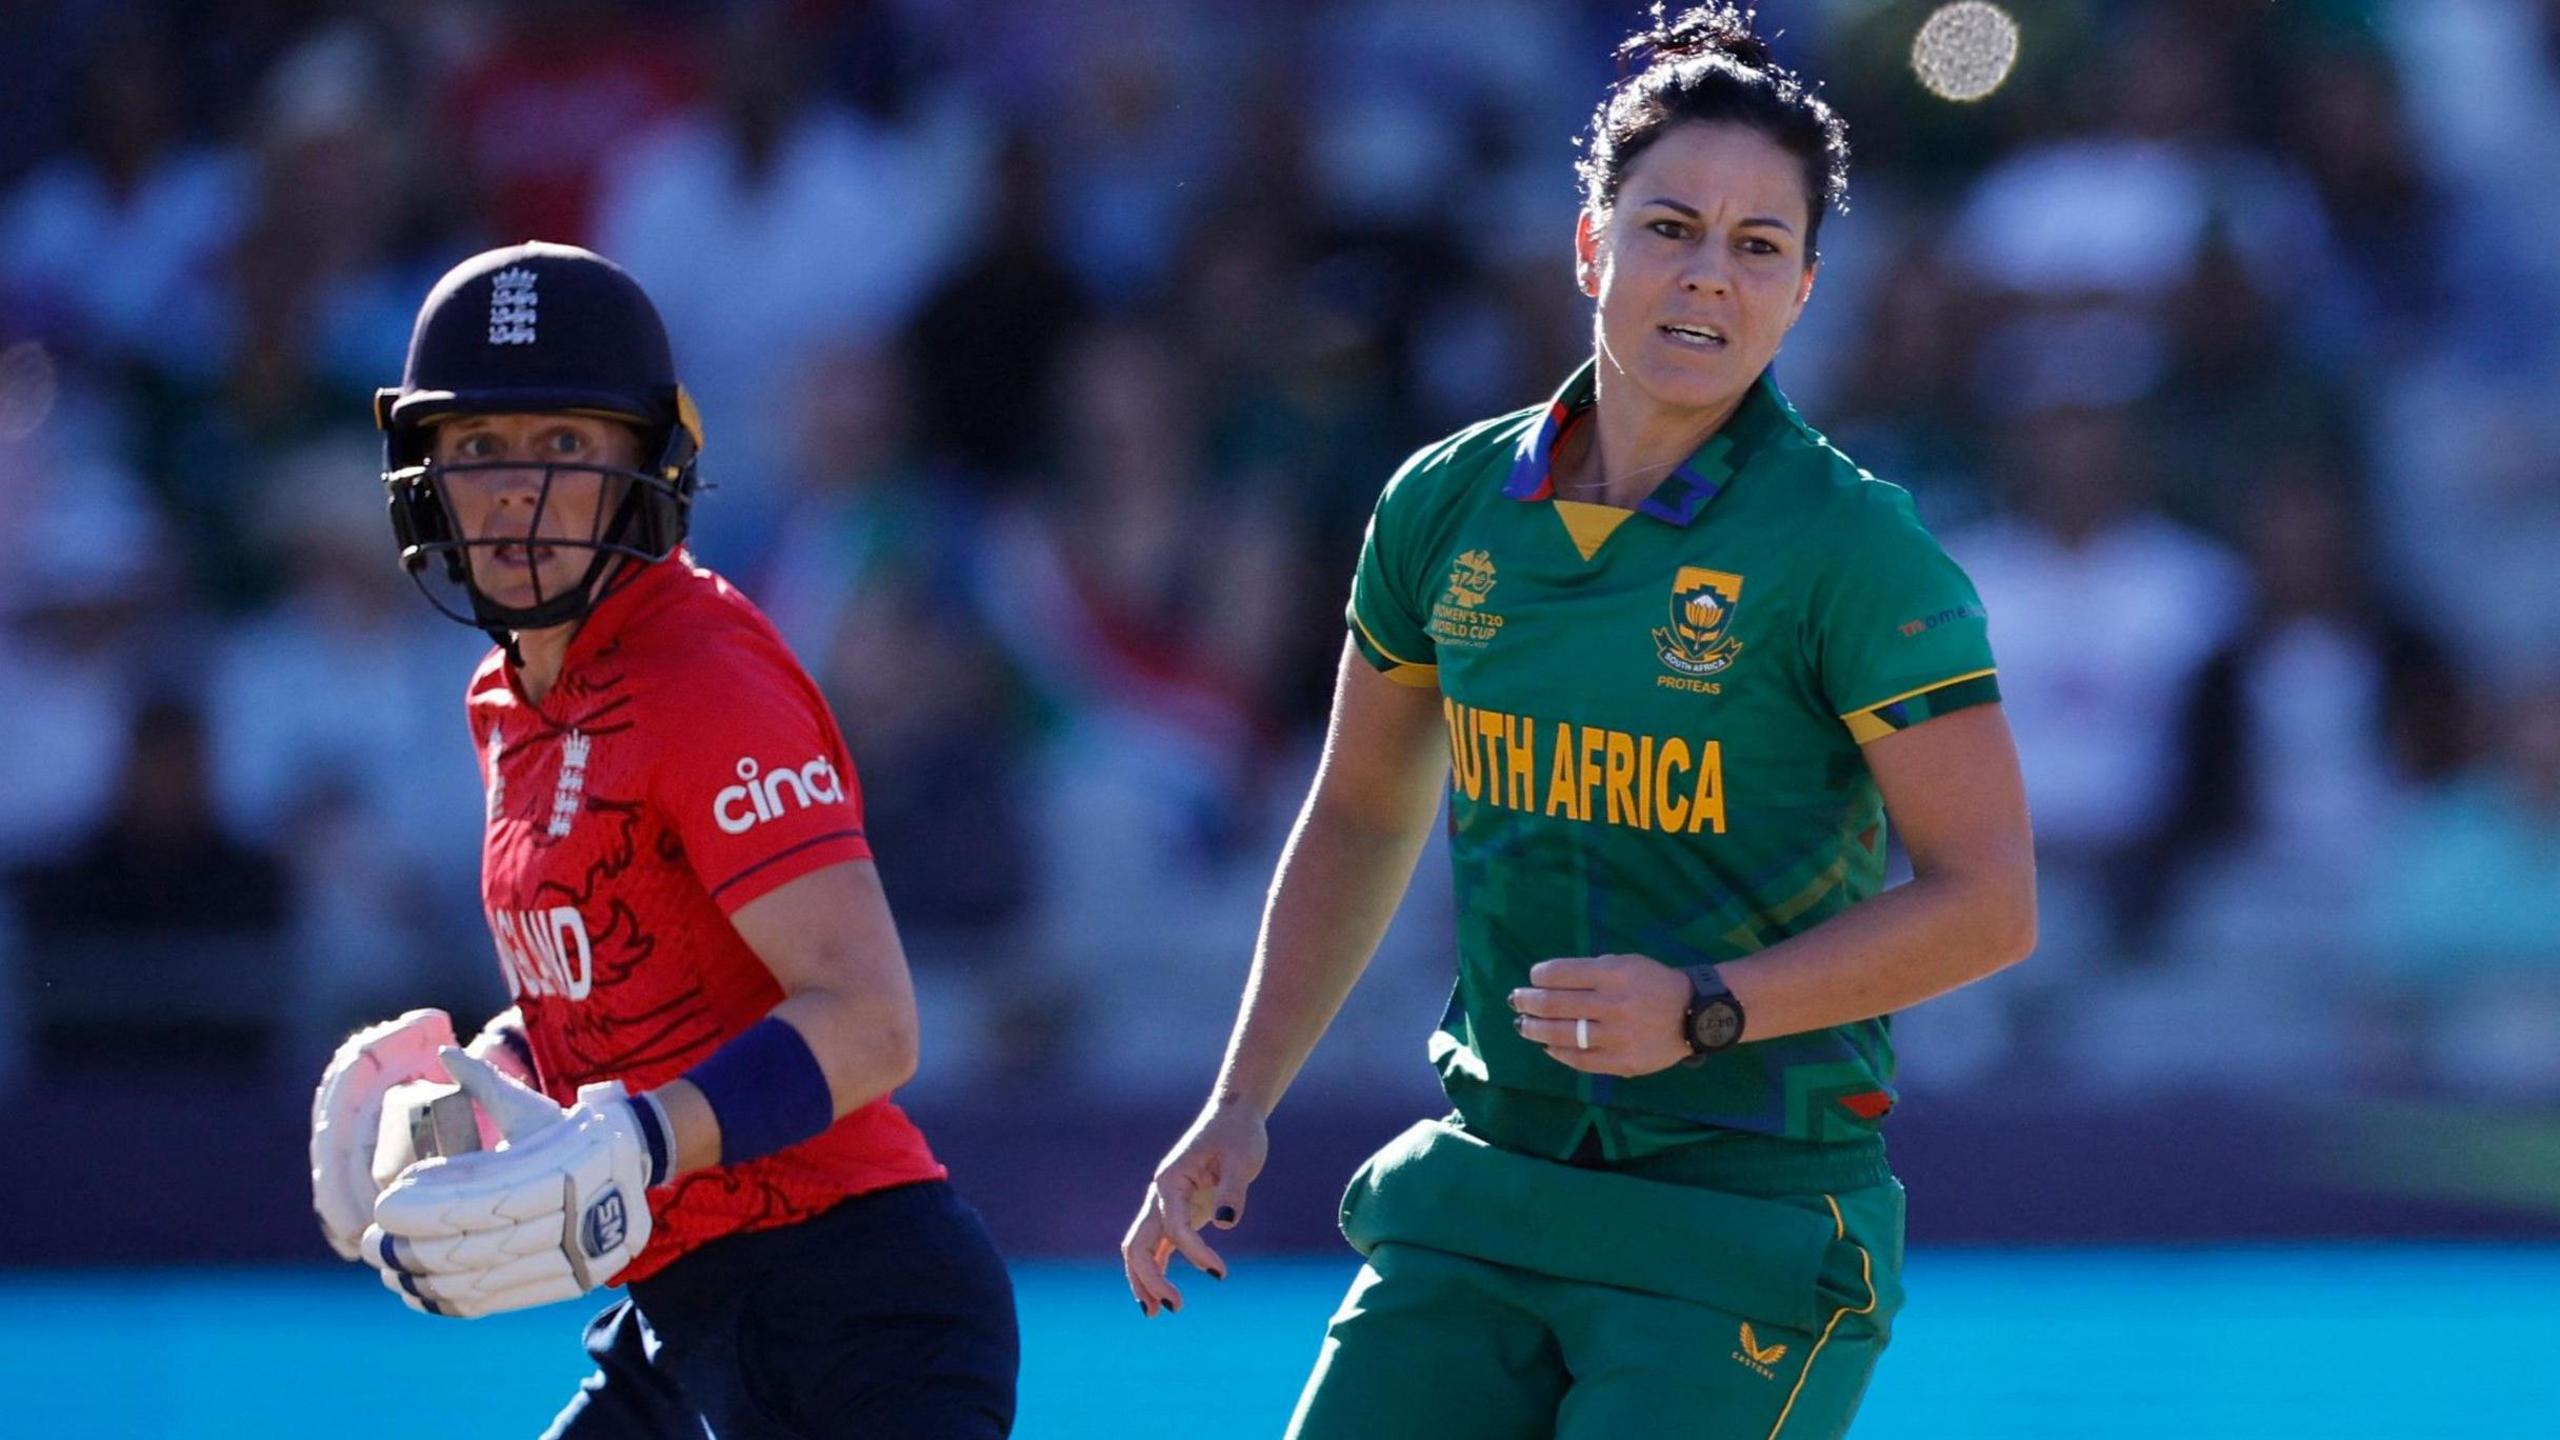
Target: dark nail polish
1226, 1214
1217, 1274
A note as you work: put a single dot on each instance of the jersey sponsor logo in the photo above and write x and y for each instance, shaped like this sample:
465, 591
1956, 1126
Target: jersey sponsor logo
1757, 1358
1927, 623
1700, 640
758, 795
512, 306
1662, 784
1458, 617
570, 793
544, 953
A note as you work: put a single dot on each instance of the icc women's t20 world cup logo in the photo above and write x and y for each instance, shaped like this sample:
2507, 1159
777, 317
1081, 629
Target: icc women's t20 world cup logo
1471, 579
1460, 617
1699, 640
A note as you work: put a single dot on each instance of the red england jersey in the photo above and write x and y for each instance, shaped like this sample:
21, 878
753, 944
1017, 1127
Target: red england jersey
682, 765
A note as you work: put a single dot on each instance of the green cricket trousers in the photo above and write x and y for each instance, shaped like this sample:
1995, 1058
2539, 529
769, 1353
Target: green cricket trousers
1506, 1297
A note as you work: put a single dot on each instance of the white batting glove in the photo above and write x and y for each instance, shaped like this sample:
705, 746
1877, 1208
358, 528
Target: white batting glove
501, 1042
346, 1116
556, 1210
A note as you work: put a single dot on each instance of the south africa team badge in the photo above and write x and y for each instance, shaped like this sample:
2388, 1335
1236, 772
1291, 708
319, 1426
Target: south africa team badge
1699, 640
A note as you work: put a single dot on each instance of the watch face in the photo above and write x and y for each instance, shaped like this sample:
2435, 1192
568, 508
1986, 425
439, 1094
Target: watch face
1719, 1023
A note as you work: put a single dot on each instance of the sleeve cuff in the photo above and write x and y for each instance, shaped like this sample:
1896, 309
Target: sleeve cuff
1420, 674
784, 866
1900, 712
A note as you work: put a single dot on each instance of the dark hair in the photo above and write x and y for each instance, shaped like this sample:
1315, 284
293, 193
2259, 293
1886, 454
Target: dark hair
1705, 64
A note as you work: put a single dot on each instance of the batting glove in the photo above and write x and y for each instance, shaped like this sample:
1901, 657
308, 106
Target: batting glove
558, 1209
346, 1116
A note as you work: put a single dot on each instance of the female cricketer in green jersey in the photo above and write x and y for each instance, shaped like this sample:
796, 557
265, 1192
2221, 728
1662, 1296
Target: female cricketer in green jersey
1678, 659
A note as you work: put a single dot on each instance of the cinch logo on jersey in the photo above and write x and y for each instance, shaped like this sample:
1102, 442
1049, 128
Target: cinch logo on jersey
543, 953
758, 795
1607, 777
511, 306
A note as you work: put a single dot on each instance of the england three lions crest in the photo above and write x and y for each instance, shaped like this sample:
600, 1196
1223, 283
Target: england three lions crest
1699, 640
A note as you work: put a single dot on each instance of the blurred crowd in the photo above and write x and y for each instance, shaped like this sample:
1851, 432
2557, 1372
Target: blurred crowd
1051, 353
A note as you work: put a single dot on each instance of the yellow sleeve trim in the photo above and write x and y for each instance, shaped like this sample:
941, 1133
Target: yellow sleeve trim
1390, 654
1865, 728
1420, 677
1920, 690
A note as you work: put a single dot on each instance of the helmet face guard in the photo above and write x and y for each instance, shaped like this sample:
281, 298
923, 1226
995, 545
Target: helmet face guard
536, 329
639, 518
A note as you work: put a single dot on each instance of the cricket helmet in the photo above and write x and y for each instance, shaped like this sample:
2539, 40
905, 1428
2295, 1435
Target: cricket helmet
528, 329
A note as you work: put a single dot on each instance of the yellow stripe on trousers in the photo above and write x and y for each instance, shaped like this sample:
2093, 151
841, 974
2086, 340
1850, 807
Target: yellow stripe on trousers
1867, 1271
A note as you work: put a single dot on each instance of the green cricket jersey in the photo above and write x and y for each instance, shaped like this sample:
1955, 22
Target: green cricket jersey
1654, 726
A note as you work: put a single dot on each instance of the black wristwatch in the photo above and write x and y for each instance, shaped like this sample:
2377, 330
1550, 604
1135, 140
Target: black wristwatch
1713, 1020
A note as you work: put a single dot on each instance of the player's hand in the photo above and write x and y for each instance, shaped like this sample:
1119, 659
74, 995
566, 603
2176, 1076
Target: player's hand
1201, 1182
557, 1210
1632, 1005
346, 1115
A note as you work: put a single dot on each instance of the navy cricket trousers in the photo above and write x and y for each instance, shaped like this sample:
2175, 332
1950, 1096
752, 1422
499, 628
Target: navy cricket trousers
888, 1317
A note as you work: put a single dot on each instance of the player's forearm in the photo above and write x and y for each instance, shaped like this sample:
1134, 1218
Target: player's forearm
1909, 944
866, 1044
865, 1047
692, 1128
1338, 885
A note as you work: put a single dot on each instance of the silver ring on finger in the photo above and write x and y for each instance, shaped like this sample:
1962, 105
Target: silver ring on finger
1582, 1032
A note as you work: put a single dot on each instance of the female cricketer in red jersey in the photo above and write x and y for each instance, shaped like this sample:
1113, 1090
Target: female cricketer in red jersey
689, 1096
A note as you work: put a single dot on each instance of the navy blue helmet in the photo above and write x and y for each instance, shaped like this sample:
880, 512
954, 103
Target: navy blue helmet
537, 328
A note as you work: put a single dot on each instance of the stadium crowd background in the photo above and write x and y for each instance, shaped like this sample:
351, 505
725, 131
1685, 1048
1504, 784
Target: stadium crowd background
1051, 353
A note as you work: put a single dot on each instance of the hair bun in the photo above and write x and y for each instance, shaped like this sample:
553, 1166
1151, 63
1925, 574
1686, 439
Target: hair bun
1723, 29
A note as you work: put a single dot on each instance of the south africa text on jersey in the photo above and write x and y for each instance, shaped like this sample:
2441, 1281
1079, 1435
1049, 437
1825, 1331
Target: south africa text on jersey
1611, 777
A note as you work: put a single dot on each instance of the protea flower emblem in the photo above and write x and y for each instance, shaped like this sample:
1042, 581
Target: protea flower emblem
1700, 640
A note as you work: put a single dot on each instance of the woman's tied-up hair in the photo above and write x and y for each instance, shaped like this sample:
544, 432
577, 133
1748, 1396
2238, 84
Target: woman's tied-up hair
1706, 65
